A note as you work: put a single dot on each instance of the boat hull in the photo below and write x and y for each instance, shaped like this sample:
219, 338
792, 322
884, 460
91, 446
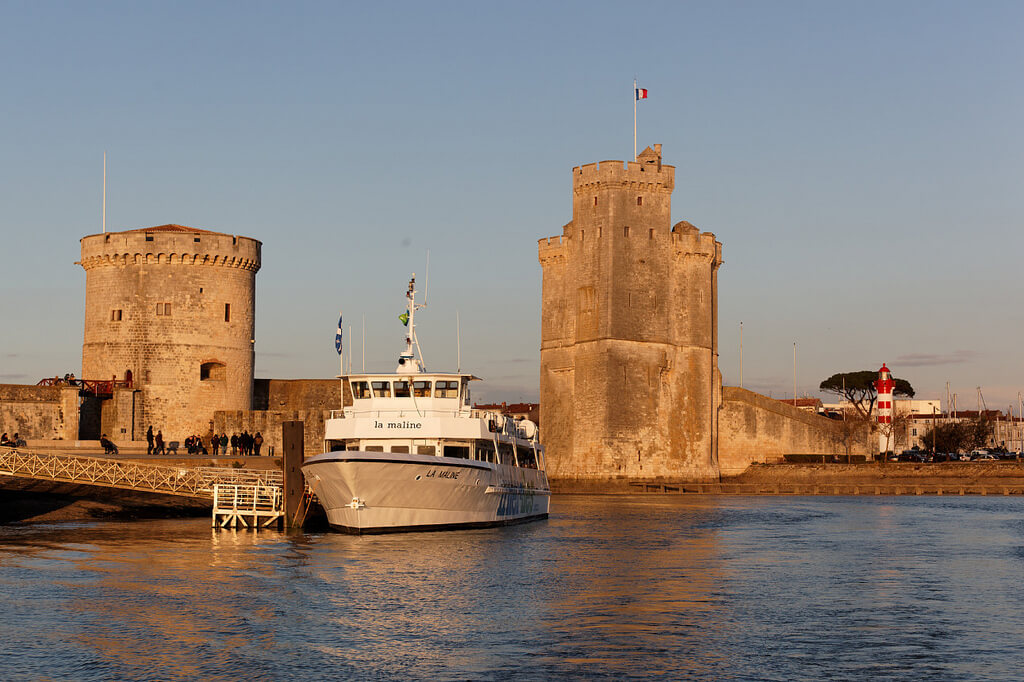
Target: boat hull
368, 492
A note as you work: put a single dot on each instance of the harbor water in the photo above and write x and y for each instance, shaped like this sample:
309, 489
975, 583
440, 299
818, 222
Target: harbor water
672, 587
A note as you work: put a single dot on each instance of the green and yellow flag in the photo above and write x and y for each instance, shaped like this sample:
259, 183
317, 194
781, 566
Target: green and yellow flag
404, 317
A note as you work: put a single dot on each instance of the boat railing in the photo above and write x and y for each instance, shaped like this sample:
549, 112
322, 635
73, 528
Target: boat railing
404, 414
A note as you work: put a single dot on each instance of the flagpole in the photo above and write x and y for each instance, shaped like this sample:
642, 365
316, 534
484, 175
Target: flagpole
104, 192
634, 119
350, 350
362, 346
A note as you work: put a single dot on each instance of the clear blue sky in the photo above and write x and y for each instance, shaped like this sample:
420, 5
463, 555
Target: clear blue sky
861, 162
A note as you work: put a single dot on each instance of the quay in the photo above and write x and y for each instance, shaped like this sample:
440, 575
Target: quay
237, 497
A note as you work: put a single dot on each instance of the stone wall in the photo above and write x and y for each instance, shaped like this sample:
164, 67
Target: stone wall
755, 428
629, 379
174, 307
268, 424
39, 412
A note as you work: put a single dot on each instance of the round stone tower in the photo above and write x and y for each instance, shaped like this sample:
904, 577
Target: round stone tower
171, 309
629, 384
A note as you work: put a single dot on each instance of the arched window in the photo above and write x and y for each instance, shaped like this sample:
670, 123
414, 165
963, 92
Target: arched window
212, 371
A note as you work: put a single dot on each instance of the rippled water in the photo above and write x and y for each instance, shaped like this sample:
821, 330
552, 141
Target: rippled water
773, 588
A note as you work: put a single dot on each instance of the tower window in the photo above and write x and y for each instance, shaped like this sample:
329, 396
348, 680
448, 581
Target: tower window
227, 312
625, 231
149, 237
639, 201
582, 234
115, 315
599, 233
212, 371
195, 239
650, 233
163, 309
595, 200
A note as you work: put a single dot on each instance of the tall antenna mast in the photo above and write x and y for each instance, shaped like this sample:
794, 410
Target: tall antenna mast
426, 281
104, 191
458, 342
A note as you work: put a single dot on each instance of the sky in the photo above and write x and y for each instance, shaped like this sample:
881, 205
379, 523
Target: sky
861, 163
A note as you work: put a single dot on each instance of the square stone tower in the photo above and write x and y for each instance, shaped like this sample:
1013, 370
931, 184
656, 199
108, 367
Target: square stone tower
629, 383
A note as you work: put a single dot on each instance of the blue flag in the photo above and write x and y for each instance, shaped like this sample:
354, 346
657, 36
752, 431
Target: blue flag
337, 338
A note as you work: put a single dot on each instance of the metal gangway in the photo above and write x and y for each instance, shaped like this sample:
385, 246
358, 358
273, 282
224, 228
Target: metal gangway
244, 493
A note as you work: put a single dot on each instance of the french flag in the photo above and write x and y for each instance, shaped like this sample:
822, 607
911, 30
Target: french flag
641, 93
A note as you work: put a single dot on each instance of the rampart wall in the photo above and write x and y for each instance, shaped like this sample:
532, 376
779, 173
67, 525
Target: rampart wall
39, 412
755, 428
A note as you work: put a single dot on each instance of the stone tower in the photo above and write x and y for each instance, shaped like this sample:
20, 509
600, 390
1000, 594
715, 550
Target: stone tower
629, 383
171, 308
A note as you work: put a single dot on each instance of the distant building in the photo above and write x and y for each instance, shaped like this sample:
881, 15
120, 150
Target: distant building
529, 411
812, 405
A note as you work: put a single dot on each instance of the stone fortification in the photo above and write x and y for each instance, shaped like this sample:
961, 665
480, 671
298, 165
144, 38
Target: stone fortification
172, 308
39, 412
755, 428
629, 383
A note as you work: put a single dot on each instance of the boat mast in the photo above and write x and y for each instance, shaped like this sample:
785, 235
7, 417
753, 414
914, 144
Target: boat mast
407, 362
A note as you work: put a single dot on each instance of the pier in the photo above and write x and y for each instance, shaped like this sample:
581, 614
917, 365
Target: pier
238, 497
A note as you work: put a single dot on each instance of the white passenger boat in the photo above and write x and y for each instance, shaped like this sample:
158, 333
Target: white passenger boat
412, 454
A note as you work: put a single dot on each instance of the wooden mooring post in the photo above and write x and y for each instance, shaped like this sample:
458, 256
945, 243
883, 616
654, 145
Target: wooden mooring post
293, 447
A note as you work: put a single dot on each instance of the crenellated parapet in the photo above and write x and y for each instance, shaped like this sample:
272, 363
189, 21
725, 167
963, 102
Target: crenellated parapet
170, 245
688, 241
551, 250
647, 173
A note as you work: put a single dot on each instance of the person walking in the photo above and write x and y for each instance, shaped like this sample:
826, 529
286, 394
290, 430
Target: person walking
257, 442
149, 441
159, 449
215, 444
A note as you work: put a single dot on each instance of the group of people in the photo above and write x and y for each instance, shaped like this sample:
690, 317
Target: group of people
244, 444
11, 442
155, 444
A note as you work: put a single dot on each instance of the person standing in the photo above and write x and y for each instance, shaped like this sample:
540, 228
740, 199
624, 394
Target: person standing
223, 443
149, 440
215, 444
234, 444
257, 442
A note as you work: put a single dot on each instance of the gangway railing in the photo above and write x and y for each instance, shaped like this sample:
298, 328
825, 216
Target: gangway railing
248, 505
159, 478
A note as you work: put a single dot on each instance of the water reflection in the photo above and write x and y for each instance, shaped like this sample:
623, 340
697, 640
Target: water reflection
609, 587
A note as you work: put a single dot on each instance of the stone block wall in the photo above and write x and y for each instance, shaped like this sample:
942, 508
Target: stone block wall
39, 412
174, 307
268, 424
755, 428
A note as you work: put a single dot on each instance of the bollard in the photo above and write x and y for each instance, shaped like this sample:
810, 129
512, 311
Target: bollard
292, 445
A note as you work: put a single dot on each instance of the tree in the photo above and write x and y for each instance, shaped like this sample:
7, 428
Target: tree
858, 388
964, 436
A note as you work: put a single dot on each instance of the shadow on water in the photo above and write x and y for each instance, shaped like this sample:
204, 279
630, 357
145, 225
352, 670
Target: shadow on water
608, 587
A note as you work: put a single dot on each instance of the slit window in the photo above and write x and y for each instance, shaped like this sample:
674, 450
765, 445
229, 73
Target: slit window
625, 231
639, 201
163, 309
115, 315
227, 312
381, 389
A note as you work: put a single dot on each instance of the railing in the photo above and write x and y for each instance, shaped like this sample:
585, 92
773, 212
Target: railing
97, 387
172, 480
257, 505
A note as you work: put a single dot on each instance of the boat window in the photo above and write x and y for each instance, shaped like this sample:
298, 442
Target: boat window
382, 389
447, 389
361, 389
401, 449
460, 451
425, 450
421, 389
527, 458
507, 456
401, 389
353, 446
374, 448
485, 452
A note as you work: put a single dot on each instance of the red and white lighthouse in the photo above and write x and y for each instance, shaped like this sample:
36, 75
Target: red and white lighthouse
884, 387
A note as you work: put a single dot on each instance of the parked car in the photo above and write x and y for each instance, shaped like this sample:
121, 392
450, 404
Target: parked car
944, 457
911, 456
